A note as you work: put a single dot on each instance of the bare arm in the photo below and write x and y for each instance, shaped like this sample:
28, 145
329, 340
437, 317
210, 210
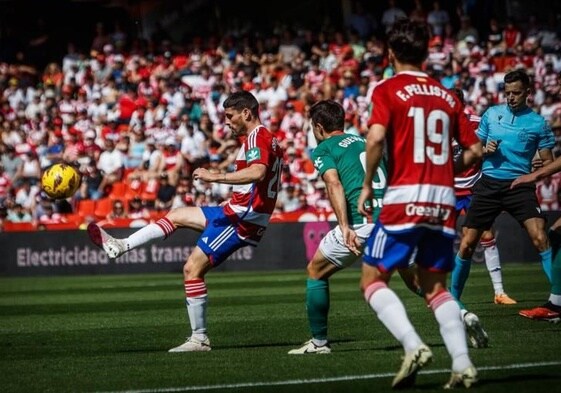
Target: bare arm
251, 174
336, 195
469, 156
374, 152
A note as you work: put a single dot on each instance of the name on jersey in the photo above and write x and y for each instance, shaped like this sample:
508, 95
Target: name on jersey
349, 140
416, 89
428, 211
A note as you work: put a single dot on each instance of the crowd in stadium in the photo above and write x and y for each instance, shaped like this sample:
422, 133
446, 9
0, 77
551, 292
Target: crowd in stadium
138, 116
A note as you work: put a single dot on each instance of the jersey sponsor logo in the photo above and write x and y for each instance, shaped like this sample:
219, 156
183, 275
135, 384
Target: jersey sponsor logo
318, 163
437, 211
253, 154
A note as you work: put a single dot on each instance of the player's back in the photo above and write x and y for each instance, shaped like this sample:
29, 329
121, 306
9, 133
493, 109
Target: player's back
421, 118
346, 154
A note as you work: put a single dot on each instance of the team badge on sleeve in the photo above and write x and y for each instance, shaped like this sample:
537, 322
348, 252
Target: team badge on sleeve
253, 154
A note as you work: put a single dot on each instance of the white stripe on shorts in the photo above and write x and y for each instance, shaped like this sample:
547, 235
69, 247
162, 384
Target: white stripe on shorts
379, 244
226, 233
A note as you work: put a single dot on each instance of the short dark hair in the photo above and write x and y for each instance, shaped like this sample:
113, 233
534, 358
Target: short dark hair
330, 114
459, 93
518, 75
409, 41
241, 100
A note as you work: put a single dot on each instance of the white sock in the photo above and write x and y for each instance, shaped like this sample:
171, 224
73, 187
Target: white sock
448, 316
159, 230
319, 343
493, 263
555, 299
392, 314
196, 301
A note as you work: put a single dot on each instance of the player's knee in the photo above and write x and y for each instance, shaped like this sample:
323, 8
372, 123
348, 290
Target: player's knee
191, 269
540, 241
487, 236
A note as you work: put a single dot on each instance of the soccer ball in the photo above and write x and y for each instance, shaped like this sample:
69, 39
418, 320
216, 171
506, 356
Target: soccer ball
60, 181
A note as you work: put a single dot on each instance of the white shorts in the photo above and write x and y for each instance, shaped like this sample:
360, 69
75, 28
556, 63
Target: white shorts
333, 248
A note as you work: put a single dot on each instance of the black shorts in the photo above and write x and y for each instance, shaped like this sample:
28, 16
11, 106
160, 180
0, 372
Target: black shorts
492, 196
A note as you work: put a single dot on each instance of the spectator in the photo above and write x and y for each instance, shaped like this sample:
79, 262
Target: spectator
136, 210
5, 185
31, 168
418, 13
361, 21
110, 164
90, 188
290, 199
512, 37
548, 194
391, 14
165, 193
466, 30
437, 18
18, 214
12, 164
117, 212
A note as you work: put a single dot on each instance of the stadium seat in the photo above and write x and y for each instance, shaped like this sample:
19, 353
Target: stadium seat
75, 218
62, 226
118, 223
134, 188
103, 207
118, 190
86, 207
150, 191
10, 226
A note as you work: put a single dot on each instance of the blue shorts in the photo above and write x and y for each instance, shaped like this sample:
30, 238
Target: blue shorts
390, 251
462, 204
219, 239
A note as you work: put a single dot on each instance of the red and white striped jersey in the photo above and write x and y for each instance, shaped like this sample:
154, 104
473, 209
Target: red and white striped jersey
421, 117
252, 204
464, 181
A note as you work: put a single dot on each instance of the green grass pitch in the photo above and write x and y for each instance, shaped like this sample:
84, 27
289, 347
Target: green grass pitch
112, 333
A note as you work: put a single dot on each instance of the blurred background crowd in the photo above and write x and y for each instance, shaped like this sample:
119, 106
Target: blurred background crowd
138, 111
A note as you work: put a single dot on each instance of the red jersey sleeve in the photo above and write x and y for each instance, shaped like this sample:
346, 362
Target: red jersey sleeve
258, 148
464, 133
380, 106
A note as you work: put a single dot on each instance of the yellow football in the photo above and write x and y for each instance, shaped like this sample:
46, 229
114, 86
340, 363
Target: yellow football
60, 181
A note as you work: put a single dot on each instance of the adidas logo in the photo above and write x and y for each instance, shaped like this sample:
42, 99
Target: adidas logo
205, 239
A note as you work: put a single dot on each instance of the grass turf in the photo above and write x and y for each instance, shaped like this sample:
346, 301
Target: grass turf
112, 333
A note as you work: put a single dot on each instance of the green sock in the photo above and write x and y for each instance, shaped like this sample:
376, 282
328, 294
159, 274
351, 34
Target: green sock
317, 306
556, 275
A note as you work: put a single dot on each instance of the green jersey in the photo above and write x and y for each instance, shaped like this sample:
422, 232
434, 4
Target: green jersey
346, 154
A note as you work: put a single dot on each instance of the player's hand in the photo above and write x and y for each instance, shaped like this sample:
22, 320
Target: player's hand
203, 174
492, 146
351, 240
524, 179
365, 201
537, 162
